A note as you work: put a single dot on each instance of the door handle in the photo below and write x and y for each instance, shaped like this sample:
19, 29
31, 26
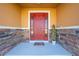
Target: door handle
45, 31
32, 32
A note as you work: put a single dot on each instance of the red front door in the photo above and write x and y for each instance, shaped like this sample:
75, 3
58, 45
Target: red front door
39, 26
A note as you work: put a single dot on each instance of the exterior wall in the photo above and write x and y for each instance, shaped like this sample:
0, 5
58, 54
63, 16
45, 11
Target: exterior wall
9, 38
24, 21
10, 15
68, 14
69, 39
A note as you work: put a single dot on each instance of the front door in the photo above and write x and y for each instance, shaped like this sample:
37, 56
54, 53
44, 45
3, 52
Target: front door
39, 26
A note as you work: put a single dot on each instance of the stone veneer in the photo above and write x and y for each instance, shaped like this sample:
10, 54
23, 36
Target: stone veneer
9, 38
69, 39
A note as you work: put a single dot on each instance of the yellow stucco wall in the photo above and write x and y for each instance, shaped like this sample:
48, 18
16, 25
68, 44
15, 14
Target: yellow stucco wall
10, 15
68, 14
24, 15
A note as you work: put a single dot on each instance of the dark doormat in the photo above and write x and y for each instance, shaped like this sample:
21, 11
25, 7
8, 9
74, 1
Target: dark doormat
39, 44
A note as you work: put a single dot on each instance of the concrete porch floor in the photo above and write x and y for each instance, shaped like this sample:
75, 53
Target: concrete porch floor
25, 49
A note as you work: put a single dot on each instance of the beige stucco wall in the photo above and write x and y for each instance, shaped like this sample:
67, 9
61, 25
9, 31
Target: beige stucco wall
14, 16
68, 14
10, 15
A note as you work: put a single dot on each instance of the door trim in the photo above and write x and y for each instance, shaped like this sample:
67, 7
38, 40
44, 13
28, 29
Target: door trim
39, 11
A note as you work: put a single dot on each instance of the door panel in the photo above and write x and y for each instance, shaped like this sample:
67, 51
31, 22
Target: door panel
39, 26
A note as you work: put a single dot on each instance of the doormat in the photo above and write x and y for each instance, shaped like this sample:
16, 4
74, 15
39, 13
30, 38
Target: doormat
39, 44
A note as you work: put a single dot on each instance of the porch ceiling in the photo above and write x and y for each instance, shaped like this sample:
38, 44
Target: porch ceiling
39, 5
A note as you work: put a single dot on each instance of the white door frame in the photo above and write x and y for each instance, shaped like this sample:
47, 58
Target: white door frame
39, 11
